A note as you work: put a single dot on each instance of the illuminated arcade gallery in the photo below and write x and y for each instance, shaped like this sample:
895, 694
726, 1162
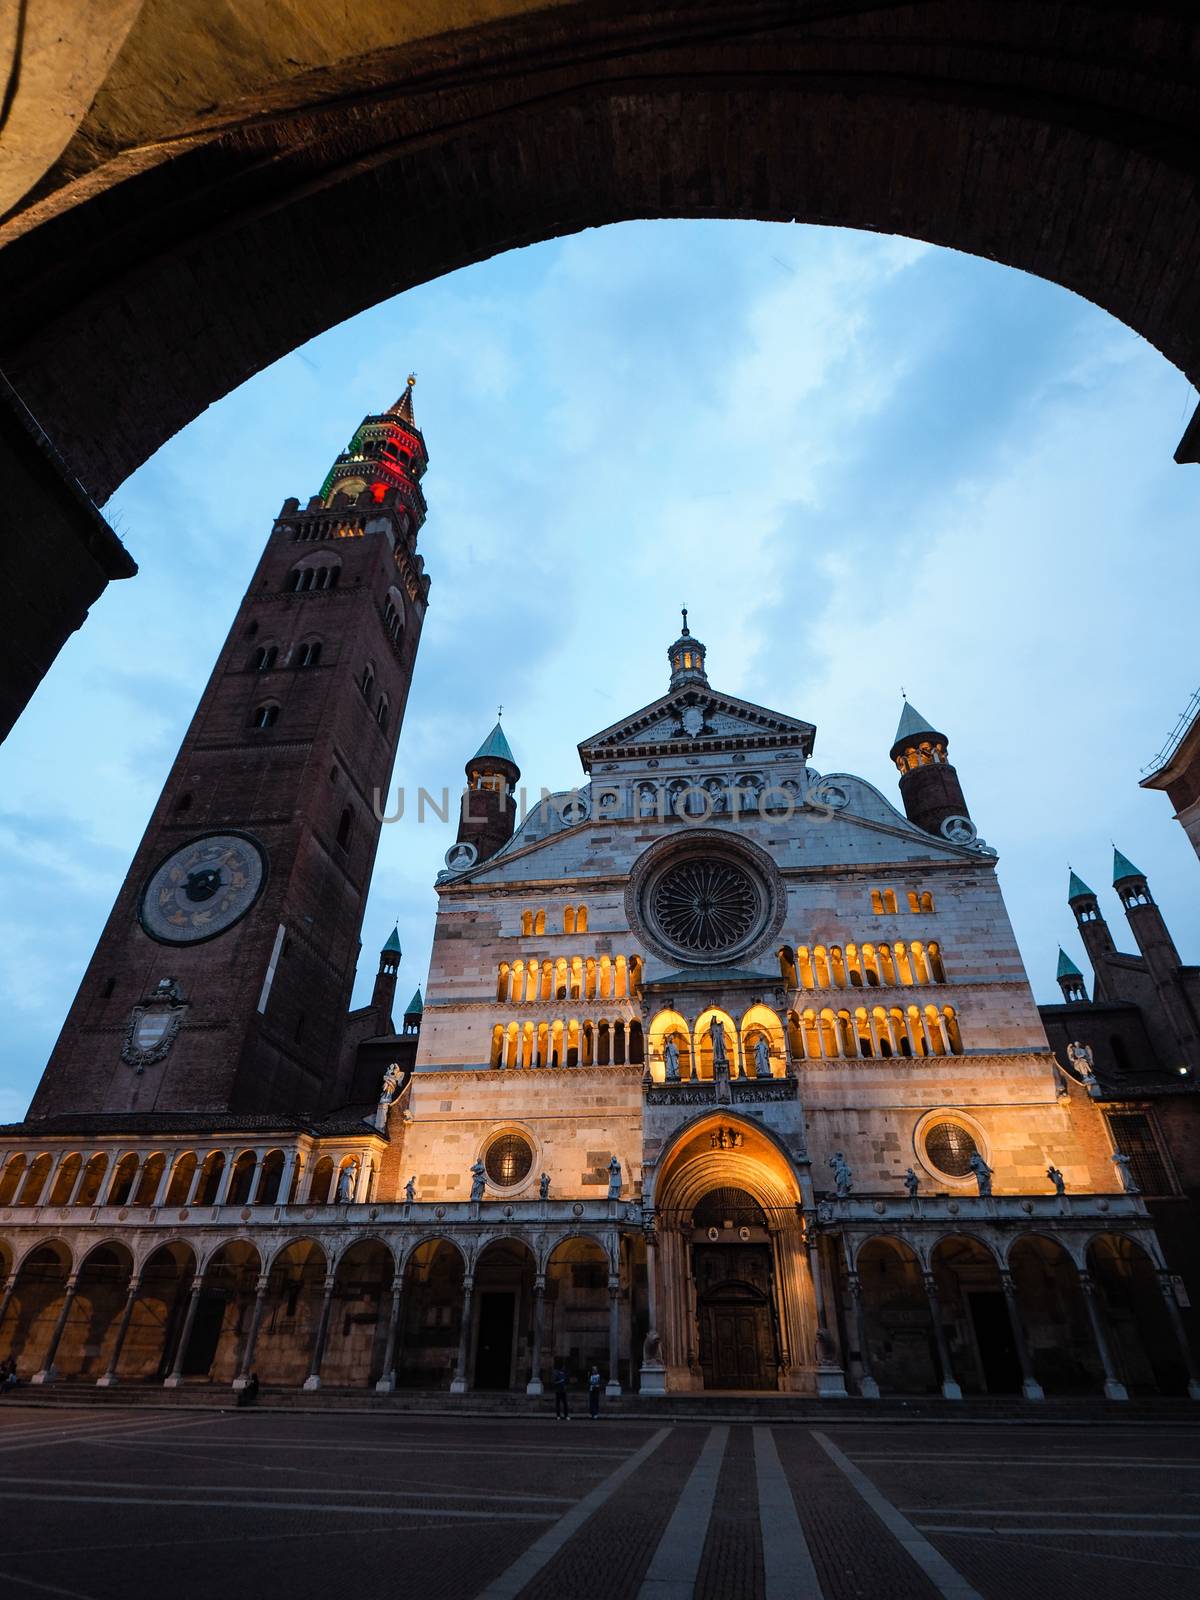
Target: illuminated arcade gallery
726, 1076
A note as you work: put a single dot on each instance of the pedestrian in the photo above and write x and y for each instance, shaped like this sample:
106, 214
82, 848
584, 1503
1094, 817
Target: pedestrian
249, 1395
561, 1409
594, 1393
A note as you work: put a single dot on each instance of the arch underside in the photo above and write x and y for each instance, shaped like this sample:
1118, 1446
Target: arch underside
139, 283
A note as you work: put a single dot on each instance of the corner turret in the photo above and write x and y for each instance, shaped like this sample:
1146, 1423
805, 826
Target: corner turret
1070, 980
929, 785
383, 995
489, 808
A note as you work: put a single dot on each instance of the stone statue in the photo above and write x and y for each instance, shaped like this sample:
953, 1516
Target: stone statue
762, 1057
652, 1353
671, 1059
614, 1179
911, 1183
410, 1189
1121, 1162
717, 1139
388, 1090
544, 1186
842, 1177
1081, 1058
344, 1192
478, 1179
1057, 1179
983, 1173
716, 1031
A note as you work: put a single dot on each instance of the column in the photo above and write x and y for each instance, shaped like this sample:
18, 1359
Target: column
950, 1389
831, 1380
458, 1384
79, 1177
247, 1361
287, 1178
387, 1378
613, 1387
868, 1388
197, 1180
48, 1186
6, 1299
1030, 1387
160, 1194
313, 1381
108, 1378
222, 1195
48, 1374
1114, 1389
534, 1386
175, 1376
1167, 1289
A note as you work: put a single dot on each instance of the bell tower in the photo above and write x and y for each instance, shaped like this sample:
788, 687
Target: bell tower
929, 785
223, 976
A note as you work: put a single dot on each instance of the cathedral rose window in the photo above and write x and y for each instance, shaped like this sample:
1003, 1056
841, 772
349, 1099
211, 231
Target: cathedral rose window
706, 897
949, 1148
705, 906
508, 1160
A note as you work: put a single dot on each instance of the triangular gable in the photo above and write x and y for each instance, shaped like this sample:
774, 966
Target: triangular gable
696, 718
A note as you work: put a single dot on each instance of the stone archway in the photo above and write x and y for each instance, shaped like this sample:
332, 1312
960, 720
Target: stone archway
731, 1292
180, 241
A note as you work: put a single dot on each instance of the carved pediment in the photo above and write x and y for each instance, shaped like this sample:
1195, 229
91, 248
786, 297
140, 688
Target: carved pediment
697, 718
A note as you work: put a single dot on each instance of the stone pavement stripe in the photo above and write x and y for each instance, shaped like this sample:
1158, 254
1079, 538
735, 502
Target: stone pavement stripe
1036, 1511
672, 1573
1066, 1533
527, 1566
279, 1505
935, 1567
100, 1434
45, 1588
787, 1560
358, 1493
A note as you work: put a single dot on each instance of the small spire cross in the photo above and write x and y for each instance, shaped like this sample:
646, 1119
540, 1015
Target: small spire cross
499, 712
684, 610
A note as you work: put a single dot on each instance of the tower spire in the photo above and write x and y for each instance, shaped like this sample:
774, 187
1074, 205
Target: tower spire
385, 460
686, 656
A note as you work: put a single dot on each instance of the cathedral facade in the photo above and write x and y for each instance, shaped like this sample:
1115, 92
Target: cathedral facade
727, 1074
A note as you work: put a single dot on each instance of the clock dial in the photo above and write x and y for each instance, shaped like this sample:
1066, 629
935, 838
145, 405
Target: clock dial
203, 888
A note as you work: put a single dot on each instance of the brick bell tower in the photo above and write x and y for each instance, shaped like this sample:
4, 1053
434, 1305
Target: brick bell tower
222, 979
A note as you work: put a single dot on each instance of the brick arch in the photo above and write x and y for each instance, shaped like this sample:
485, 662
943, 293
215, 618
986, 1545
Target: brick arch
1058, 139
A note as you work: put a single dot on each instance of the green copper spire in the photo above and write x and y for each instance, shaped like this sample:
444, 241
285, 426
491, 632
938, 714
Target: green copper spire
912, 724
495, 748
1077, 887
1066, 967
415, 1006
393, 944
1123, 867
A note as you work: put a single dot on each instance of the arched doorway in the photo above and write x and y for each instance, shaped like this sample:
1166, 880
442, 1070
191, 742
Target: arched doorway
576, 1336
1143, 1343
1054, 1315
900, 1353
354, 1349
159, 1312
101, 1291
295, 1292
502, 1337
222, 1316
733, 1299
733, 1270
39, 1299
975, 1319
431, 1315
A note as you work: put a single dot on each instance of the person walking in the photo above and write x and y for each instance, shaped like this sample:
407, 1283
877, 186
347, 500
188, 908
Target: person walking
594, 1393
559, 1379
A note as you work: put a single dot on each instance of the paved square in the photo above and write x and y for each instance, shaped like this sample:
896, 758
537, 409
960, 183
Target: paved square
98, 1505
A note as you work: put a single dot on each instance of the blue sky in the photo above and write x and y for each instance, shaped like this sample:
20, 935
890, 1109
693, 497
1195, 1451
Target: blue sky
860, 461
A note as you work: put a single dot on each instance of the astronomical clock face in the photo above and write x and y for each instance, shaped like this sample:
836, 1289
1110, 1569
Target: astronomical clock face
203, 888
